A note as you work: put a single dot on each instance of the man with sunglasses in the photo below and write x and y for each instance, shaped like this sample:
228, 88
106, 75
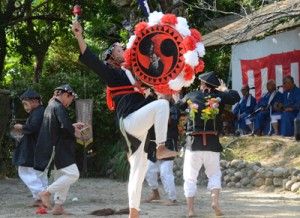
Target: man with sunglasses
56, 143
135, 112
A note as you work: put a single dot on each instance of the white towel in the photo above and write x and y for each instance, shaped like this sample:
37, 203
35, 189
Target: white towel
272, 97
248, 100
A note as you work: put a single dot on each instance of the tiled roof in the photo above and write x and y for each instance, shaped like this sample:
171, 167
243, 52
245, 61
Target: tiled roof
260, 23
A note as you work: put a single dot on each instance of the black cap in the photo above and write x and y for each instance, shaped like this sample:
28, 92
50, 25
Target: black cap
66, 88
210, 78
30, 95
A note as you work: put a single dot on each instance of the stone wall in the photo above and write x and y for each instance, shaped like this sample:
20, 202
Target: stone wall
240, 174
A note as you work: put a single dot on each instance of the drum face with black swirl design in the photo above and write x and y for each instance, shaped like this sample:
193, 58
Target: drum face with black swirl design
157, 54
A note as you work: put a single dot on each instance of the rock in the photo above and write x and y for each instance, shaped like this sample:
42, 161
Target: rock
234, 179
253, 179
223, 164
294, 178
235, 163
251, 173
269, 174
277, 181
245, 181
238, 175
284, 181
241, 166
295, 187
261, 172
295, 172
230, 184
280, 172
230, 171
179, 173
226, 178
238, 185
269, 181
259, 182
288, 185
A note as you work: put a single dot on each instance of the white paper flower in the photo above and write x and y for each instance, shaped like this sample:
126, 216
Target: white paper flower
130, 41
191, 58
154, 18
200, 49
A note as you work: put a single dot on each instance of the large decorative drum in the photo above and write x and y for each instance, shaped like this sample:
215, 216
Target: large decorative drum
164, 53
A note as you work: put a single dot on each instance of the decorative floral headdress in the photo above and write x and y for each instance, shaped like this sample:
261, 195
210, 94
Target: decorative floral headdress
189, 44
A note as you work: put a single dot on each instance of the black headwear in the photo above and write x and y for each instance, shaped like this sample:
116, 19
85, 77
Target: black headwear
30, 95
66, 88
210, 78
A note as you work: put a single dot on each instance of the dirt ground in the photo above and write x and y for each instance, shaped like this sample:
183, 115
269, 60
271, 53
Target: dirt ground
95, 194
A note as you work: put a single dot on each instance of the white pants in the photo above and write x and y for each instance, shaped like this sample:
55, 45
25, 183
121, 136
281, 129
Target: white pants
193, 162
137, 124
275, 118
165, 169
63, 179
248, 121
34, 182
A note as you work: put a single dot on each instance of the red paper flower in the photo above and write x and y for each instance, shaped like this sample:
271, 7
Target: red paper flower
127, 57
139, 27
196, 34
189, 72
200, 67
41, 210
169, 19
165, 89
189, 43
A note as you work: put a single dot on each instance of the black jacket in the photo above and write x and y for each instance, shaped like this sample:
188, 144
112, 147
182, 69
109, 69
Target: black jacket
57, 130
24, 152
124, 104
172, 135
229, 97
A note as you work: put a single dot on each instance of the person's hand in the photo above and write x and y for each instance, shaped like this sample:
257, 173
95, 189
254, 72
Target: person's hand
222, 87
77, 132
147, 92
176, 97
18, 126
289, 109
79, 125
77, 29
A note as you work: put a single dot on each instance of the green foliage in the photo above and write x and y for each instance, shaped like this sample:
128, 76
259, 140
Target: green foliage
121, 167
7, 145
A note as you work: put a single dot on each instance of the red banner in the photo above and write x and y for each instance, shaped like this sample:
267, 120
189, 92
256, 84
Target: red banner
270, 64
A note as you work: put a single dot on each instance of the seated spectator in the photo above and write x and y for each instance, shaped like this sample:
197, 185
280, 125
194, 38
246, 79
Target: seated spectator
243, 111
291, 102
228, 118
265, 107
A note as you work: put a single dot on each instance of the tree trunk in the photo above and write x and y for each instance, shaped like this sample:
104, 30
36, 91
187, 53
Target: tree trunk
3, 51
4, 113
38, 67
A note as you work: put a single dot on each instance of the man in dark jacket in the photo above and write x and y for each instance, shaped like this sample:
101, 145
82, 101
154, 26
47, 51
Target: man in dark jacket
135, 112
23, 156
57, 143
203, 146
